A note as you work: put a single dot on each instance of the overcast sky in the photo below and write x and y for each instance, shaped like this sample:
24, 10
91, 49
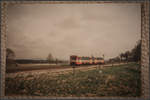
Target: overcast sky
35, 30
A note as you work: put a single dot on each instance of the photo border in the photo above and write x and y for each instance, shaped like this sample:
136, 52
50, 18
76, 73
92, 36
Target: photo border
144, 48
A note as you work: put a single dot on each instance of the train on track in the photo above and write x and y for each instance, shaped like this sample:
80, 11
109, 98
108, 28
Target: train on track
81, 60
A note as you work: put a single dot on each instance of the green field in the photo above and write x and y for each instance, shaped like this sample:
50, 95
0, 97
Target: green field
121, 80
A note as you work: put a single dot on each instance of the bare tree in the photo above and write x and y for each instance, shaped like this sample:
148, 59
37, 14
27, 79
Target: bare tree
10, 55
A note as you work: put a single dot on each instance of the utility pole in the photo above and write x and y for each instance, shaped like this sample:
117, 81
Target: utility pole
103, 56
99, 65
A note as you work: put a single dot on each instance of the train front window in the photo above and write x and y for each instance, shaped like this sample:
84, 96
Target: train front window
73, 57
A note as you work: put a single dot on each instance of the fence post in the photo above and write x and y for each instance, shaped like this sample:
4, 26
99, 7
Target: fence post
73, 70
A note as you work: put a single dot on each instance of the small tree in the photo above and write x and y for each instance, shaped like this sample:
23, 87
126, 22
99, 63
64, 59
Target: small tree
127, 54
136, 52
50, 58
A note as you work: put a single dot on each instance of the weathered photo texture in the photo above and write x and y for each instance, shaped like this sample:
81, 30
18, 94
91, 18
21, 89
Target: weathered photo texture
78, 49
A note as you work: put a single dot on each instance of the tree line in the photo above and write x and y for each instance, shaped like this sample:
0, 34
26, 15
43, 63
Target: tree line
134, 55
11, 61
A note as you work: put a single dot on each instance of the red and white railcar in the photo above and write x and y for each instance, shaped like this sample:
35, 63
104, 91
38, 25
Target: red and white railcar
78, 60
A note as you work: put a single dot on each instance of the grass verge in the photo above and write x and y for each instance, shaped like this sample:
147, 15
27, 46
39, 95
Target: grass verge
121, 80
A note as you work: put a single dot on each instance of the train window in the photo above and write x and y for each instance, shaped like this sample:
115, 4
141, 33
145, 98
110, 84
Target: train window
85, 58
79, 58
100, 58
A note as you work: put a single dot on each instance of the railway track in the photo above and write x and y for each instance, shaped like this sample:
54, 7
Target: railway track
47, 67
54, 71
51, 72
41, 67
